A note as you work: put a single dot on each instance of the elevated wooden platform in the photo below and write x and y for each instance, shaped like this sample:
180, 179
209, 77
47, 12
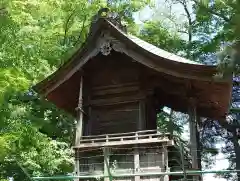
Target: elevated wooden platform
131, 138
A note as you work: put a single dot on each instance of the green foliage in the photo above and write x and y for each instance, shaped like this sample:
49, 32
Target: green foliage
160, 36
171, 122
221, 19
4, 146
36, 37
219, 22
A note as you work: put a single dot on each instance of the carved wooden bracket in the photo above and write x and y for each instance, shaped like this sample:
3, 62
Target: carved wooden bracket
107, 43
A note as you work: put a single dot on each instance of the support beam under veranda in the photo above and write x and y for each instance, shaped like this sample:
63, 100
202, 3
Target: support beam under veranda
136, 163
193, 137
107, 172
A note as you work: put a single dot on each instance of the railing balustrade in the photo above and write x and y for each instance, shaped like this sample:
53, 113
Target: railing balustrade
138, 135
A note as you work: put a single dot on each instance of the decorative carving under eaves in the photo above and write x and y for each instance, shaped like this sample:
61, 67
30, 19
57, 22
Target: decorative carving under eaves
106, 43
106, 48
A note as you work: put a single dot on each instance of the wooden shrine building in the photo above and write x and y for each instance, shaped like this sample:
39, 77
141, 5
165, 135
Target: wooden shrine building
115, 86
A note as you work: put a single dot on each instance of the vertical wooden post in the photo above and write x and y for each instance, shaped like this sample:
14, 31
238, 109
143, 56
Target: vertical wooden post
77, 166
193, 135
79, 125
106, 171
165, 160
198, 144
182, 161
88, 127
136, 163
141, 120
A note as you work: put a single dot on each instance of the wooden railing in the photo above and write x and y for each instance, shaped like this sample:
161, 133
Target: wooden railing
122, 138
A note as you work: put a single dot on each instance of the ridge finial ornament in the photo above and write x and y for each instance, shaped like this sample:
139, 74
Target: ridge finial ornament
114, 17
103, 10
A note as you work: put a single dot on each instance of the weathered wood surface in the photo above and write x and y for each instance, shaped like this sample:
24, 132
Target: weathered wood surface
113, 90
79, 109
79, 125
193, 137
136, 163
138, 160
123, 134
152, 136
114, 119
126, 142
118, 69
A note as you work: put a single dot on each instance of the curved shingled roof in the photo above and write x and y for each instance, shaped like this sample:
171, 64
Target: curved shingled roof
158, 51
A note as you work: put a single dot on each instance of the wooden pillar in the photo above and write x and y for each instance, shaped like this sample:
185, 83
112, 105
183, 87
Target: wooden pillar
136, 163
198, 143
89, 122
142, 117
77, 166
193, 133
193, 136
89, 116
165, 162
106, 154
79, 125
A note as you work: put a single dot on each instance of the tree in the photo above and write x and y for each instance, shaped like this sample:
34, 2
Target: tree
216, 27
225, 15
155, 33
36, 38
206, 29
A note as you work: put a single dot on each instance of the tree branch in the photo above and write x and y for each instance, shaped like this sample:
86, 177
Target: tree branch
83, 26
182, 31
210, 10
66, 27
190, 24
